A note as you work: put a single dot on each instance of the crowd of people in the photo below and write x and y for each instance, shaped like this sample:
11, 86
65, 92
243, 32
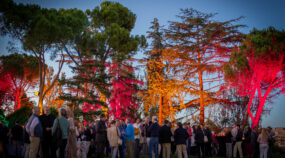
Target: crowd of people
46, 136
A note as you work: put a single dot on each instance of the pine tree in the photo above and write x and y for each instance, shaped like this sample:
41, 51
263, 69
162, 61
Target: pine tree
199, 48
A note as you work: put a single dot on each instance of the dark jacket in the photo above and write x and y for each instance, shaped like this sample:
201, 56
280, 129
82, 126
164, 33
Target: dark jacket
101, 132
86, 135
146, 129
165, 134
3, 133
17, 133
239, 135
154, 129
180, 136
208, 133
199, 136
47, 122
229, 137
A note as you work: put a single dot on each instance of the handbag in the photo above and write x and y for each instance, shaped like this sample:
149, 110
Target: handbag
120, 142
205, 137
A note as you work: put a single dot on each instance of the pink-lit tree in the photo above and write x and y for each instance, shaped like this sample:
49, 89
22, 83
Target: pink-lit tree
21, 72
123, 101
257, 69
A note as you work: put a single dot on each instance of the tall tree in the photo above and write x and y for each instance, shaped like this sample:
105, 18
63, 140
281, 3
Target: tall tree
200, 46
21, 70
42, 31
106, 39
257, 69
124, 90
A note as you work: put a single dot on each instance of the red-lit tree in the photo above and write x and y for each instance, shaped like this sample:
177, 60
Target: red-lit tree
123, 101
257, 69
21, 71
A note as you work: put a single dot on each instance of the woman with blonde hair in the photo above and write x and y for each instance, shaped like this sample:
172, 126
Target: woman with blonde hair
71, 141
263, 143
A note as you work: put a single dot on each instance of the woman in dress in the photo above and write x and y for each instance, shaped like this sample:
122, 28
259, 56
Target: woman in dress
71, 141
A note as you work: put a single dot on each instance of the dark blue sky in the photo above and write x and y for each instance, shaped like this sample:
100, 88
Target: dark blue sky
258, 13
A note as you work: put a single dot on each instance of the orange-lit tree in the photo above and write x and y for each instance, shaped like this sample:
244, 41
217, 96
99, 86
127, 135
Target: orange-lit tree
200, 46
257, 69
21, 70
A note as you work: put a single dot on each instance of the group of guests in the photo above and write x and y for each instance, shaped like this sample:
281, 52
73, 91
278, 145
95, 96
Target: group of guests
256, 143
46, 136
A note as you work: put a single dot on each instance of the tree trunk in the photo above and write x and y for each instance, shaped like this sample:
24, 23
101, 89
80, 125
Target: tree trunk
202, 110
160, 110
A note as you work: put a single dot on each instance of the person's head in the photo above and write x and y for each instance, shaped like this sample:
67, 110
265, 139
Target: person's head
102, 117
46, 110
269, 129
128, 121
238, 126
146, 119
69, 112
118, 122
113, 123
86, 126
154, 119
179, 124
264, 134
36, 110
138, 120
199, 128
62, 112
166, 122
184, 125
122, 121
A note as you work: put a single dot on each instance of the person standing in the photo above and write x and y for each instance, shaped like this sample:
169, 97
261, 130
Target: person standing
147, 133
137, 126
62, 123
229, 143
85, 141
35, 130
208, 145
154, 133
17, 138
47, 120
248, 149
199, 139
188, 142
3, 139
180, 137
71, 140
113, 135
101, 136
271, 140
130, 138
263, 143
122, 128
254, 143
165, 139
238, 139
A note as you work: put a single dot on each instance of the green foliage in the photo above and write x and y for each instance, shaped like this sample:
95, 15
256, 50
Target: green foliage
41, 28
53, 111
20, 65
264, 41
109, 39
21, 115
3, 118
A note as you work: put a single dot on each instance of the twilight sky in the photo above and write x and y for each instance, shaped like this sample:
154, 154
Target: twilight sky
258, 13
